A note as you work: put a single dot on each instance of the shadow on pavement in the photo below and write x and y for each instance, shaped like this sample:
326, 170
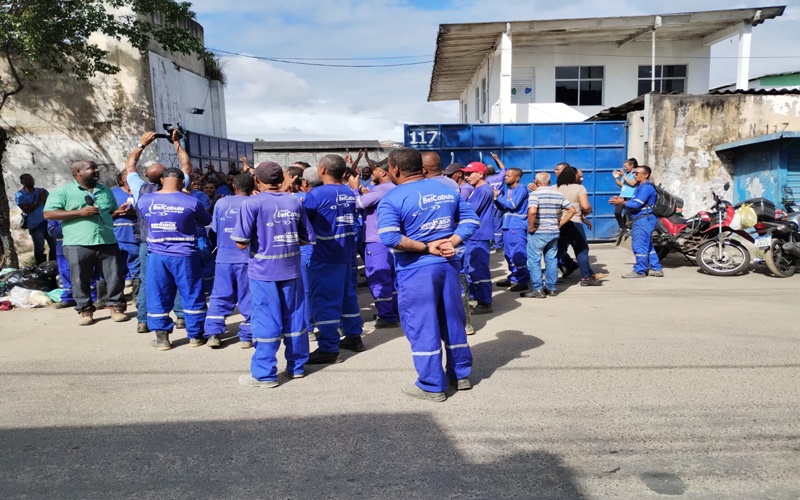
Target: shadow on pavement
397, 455
507, 346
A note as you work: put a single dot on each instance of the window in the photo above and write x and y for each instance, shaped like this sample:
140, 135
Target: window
669, 78
477, 103
484, 96
579, 85
522, 90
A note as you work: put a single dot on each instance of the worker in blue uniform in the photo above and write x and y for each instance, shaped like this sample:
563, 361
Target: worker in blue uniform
476, 259
640, 211
423, 222
173, 259
231, 282
513, 204
331, 211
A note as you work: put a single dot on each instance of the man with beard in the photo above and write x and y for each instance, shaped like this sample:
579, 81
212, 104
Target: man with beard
85, 207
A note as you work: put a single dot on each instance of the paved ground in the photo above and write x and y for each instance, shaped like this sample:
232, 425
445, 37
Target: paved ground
686, 385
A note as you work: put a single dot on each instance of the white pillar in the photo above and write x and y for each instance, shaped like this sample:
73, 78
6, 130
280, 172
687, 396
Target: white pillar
743, 66
656, 25
505, 114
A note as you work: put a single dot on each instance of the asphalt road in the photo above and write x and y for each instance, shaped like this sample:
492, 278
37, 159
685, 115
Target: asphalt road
685, 385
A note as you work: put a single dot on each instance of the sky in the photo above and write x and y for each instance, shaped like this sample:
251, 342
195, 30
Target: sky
277, 101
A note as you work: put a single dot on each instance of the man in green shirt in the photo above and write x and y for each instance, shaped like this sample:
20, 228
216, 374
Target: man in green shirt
85, 208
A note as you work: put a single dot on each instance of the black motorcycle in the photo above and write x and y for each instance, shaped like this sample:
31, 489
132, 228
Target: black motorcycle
780, 239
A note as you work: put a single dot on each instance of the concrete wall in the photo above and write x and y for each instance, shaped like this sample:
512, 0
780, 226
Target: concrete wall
286, 158
620, 75
681, 132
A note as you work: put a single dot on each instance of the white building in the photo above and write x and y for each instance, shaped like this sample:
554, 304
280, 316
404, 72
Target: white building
567, 70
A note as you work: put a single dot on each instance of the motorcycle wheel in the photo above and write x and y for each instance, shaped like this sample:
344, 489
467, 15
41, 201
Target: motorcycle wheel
779, 263
734, 259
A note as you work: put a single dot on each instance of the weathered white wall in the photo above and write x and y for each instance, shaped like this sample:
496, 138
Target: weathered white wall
620, 83
681, 132
175, 92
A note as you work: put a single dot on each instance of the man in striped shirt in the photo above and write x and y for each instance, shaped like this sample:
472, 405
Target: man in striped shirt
548, 210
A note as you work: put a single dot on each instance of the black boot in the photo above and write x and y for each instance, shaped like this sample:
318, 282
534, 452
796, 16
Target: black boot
135, 284
162, 342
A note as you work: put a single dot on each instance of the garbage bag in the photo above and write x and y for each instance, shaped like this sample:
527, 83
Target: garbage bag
747, 216
32, 279
49, 268
22, 297
55, 295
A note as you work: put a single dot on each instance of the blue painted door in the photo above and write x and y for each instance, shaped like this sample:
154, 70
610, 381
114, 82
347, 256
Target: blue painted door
597, 148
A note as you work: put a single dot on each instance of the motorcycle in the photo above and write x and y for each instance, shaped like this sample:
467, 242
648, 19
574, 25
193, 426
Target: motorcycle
780, 239
706, 237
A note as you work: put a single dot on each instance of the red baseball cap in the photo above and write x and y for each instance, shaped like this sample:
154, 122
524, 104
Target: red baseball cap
475, 166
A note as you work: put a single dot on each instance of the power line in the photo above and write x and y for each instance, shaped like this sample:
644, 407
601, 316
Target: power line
326, 58
305, 61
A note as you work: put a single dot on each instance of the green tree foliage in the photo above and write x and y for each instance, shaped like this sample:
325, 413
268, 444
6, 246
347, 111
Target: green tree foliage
54, 36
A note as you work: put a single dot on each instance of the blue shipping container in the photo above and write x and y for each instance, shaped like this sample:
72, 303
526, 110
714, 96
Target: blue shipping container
597, 148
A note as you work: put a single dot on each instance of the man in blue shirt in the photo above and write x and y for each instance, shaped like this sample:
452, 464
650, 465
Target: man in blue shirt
230, 275
331, 211
423, 222
513, 204
476, 259
31, 200
125, 221
640, 210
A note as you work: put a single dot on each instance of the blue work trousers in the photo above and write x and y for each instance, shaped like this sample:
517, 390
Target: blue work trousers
379, 263
39, 236
431, 312
305, 253
476, 265
278, 314
169, 275
573, 235
129, 255
333, 302
141, 299
642, 244
543, 244
231, 287
515, 242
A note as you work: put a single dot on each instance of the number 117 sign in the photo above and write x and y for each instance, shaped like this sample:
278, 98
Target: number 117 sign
422, 137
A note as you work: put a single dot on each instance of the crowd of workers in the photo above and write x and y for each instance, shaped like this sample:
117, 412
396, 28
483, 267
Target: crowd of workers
281, 245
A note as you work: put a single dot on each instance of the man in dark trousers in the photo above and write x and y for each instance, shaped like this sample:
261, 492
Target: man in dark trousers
31, 200
423, 222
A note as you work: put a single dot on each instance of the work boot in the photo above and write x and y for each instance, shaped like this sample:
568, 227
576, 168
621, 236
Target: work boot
550, 292
504, 283
519, 287
633, 274
482, 309
213, 341
656, 274
118, 314
248, 380
246, 344
86, 318
470, 329
323, 358
415, 392
462, 384
379, 323
197, 342
162, 342
64, 305
180, 324
354, 344
591, 282
142, 327
533, 294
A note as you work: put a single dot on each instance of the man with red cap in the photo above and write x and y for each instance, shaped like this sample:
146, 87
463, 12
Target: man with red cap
476, 259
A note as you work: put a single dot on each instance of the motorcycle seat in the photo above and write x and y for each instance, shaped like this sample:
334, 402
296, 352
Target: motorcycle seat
677, 219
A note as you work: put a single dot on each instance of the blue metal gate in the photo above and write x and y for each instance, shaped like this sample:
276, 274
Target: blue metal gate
597, 148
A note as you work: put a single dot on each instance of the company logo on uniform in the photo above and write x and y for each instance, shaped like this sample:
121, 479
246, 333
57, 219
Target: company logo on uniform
433, 201
164, 209
344, 200
164, 226
231, 213
284, 216
346, 219
286, 238
437, 224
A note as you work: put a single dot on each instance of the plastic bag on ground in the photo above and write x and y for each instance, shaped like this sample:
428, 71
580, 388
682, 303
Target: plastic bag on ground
22, 297
55, 295
49, 268
31, 278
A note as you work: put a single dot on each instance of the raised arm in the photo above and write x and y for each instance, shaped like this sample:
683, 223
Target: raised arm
133, 158
183, 156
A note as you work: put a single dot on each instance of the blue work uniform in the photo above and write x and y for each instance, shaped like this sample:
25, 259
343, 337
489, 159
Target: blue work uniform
428, 286
230, 274
640, 210
205, 246
173, 262
274, 224
331, 211
513, 204
124, 231
476, 258
497, 181
305, 255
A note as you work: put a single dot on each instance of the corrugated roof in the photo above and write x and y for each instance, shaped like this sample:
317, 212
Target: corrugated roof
757, 92
314, 145
768, 75
757, 140
462, 48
